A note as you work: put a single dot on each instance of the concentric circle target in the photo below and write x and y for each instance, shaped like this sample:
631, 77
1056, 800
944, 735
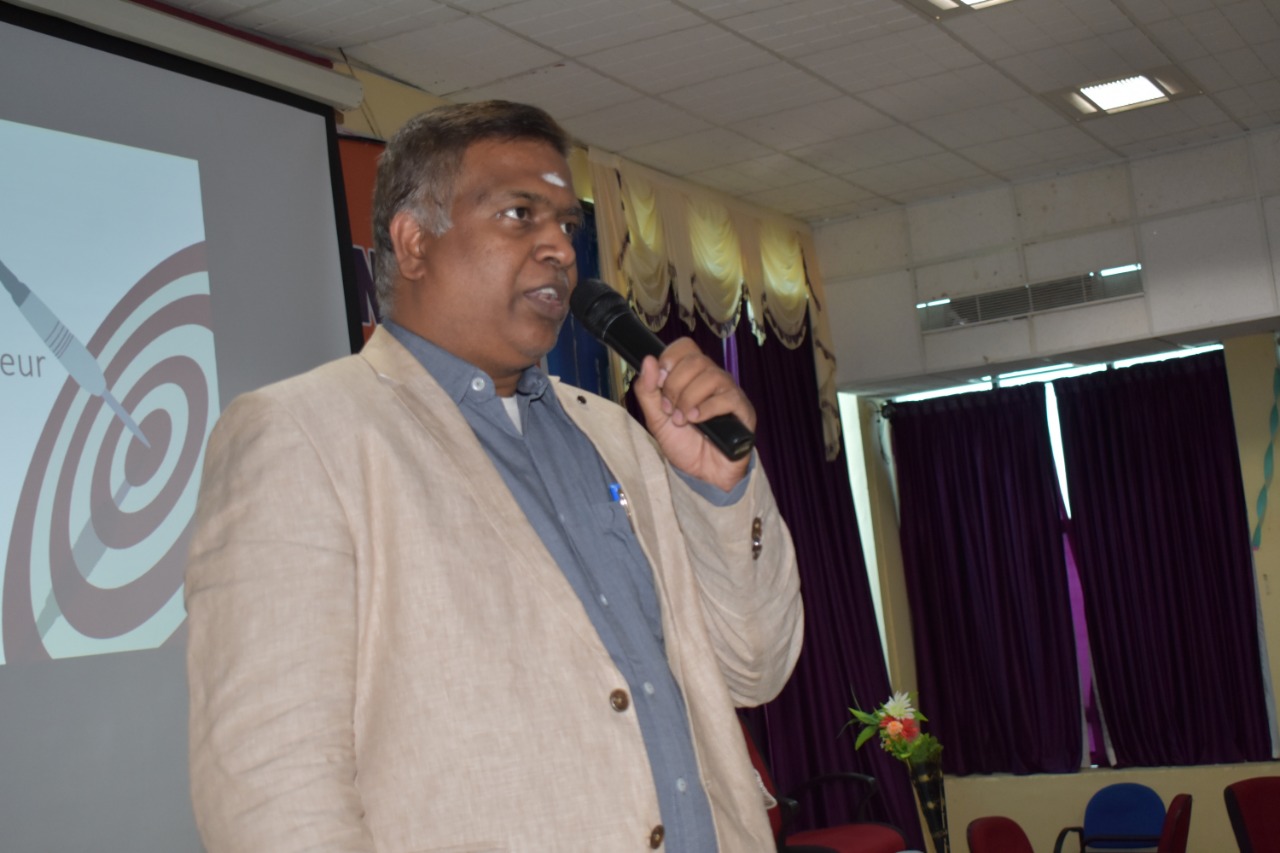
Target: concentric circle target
99, 540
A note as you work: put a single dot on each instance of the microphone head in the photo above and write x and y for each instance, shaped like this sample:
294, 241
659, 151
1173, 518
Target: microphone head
596, 305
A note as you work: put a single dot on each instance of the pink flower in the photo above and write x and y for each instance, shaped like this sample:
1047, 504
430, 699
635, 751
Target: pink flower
894, 728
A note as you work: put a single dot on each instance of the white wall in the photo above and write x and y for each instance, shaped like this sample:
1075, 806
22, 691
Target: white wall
1204, 222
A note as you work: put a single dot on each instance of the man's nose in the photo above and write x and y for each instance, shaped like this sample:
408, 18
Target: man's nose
558, 247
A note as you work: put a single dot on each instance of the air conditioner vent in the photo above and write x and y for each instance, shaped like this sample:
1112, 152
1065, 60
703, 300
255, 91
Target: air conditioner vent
1030, 299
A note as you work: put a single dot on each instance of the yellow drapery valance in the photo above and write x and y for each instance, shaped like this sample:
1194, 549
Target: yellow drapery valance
657, 232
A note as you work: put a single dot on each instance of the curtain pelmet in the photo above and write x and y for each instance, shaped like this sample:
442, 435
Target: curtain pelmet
659, 235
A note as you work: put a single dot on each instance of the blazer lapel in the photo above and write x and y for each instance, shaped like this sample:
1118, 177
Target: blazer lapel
462, 464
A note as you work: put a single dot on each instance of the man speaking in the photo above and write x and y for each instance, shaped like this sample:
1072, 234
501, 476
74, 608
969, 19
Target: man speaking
441, 602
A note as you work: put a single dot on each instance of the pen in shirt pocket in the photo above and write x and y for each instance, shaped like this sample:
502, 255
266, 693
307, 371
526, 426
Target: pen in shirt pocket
618, 496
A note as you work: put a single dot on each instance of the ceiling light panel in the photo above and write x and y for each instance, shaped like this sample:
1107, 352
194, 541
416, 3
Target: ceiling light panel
1121, 94
1124, 94
944, 9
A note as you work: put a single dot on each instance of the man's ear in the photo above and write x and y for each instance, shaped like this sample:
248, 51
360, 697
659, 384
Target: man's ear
410, 241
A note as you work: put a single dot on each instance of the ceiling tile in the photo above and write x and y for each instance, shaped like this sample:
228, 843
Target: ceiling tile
894, 178
893, 58
778, 96
823, 194
867, 150
813, 124
1176, 40
800, 29
990, 123
1033, 25
1163, 127
1148, 11
1255, 23
944, 93
762, 173
755, 92
722, 9
631, 124
580, 28
564, 89
1245, 66
458, 55
342, 23
684, 58
1006, 156
958, 186
694, 152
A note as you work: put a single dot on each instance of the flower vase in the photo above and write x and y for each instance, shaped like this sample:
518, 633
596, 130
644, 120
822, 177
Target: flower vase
926, 778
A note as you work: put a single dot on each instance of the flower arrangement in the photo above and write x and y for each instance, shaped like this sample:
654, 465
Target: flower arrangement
897, 723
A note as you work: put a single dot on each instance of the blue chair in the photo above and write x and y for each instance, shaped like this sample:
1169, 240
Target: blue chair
1124, 816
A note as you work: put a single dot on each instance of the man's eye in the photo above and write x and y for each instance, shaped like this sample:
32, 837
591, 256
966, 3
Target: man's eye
571, 227
521, 213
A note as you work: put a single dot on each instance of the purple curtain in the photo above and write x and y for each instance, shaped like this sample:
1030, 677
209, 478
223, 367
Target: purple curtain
801, 734
987, 582
1162, 544
804, 728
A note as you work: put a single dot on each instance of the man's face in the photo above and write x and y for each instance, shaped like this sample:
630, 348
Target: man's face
494, 289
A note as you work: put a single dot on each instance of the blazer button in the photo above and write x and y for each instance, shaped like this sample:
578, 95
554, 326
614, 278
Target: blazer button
619, 700
757, 538
655, 837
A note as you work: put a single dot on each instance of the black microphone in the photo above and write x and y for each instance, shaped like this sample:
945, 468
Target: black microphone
605, 314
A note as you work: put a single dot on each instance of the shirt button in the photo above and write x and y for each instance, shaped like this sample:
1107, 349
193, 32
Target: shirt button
604, 600
619, 700
682, 785
648, 688
477, 384
655, 837
757, 538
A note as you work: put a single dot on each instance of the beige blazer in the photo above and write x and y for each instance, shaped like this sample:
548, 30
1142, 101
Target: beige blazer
383, 656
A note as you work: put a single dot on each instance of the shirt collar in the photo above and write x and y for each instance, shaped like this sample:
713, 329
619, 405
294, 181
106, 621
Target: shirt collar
458, 377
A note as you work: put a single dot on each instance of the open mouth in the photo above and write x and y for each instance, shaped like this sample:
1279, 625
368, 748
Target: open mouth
551, 299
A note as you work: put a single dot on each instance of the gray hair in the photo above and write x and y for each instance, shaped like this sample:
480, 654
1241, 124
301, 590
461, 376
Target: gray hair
417, 170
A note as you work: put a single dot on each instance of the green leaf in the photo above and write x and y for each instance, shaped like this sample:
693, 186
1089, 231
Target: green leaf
863, 737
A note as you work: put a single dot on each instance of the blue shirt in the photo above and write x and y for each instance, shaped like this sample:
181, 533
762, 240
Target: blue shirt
564, 489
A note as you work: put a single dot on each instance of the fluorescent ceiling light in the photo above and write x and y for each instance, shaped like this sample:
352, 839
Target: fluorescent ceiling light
943, 301
1118, 270
1049, 376
1034, 370
1124, 94
1165, 356
939, 9
943, 392
1107, 97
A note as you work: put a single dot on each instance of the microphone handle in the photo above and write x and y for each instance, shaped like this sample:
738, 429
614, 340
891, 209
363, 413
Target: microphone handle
729, 435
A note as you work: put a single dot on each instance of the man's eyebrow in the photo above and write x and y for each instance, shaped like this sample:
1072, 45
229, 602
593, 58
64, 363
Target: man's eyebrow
532, 197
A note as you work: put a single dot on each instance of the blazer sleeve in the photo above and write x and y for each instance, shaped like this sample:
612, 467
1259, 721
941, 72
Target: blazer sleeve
745, 566
271, 598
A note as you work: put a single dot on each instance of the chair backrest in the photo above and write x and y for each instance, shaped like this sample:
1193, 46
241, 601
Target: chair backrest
1254, 808
1177, 826
1125, 808
997, 834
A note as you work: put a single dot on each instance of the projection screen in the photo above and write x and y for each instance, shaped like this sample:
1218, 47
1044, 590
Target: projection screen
169, 238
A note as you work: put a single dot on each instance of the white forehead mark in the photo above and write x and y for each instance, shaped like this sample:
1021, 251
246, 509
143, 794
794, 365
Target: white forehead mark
554, 179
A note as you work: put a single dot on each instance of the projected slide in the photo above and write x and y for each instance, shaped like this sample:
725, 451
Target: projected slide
108, 390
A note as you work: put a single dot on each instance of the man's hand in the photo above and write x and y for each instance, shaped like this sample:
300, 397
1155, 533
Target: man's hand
684, 387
